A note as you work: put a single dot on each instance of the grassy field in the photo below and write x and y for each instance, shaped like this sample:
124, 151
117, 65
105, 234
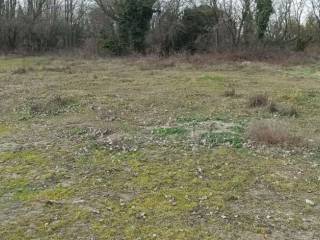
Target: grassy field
158, 149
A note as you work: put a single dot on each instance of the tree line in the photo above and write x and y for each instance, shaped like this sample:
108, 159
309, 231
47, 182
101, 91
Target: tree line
158, 26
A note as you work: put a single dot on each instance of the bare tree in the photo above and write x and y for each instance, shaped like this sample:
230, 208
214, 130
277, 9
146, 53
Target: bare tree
316, 10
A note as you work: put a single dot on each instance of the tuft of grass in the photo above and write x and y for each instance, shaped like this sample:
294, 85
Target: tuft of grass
20, 70
273, 107
258, 100
271, 132
163, 132
53, 106
290, 111
283, 110
229, 92
54, 194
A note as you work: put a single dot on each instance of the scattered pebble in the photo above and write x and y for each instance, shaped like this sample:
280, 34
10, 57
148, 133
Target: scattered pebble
78, 201
309, 202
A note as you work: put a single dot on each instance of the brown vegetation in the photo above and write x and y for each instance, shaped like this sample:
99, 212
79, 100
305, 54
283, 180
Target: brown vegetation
258, 100
271, 132
230, 92
282, 109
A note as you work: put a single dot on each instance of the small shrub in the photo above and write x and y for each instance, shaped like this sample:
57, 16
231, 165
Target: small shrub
271, 133
273, 107
259, 100
53, 106
229, 92
56, 104
283, 110
20, 70
290, 111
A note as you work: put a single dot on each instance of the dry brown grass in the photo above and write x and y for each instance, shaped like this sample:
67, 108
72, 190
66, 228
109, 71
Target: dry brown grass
282, 109
266, 55
22, 70
271, 132
158, 64
52, 106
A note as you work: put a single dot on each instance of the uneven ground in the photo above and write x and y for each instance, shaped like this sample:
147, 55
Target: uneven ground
138, 149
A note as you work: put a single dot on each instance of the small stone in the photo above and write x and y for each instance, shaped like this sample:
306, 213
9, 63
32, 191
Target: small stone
96, 211
122, 202
78, 201
308, 201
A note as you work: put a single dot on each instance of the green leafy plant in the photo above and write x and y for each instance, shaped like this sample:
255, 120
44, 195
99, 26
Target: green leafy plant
214, 139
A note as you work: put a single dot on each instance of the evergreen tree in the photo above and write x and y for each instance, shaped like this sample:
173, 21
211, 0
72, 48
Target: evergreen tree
134, 22
263, 13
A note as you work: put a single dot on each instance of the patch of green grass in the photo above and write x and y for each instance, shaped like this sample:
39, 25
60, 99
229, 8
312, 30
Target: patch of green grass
53, 194
16, 187
24, 157
4, 129
14, 63
302, 71
211, 81
224, 117
214, 139
171, 191
213, 78
301, 97
192, 119
239, 128
164, 132
21, 171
